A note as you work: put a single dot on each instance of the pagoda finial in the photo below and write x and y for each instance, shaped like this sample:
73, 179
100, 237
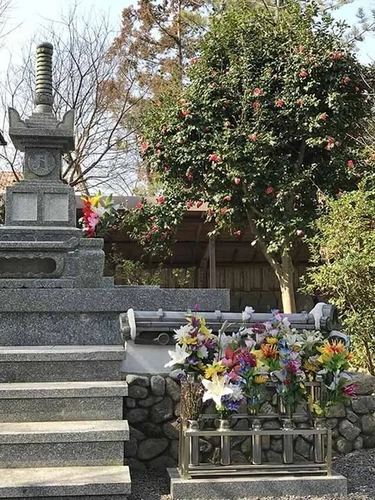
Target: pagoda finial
43, 92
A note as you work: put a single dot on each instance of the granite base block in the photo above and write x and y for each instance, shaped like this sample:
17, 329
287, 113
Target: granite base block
253, 488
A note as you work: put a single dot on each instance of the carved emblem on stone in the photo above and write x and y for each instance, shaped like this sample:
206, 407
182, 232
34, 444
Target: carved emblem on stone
41, 162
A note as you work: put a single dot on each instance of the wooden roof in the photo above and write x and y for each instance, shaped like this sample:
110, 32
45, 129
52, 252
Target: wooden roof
192, 241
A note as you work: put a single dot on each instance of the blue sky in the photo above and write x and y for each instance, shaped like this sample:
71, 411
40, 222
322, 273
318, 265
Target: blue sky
29, 15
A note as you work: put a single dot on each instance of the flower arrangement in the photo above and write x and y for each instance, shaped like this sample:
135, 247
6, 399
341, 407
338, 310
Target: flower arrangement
98, 212
235, 367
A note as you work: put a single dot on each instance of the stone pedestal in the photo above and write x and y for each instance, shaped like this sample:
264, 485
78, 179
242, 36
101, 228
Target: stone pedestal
255, 487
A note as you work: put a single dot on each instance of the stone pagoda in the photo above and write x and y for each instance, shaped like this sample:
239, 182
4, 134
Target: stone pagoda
40, 245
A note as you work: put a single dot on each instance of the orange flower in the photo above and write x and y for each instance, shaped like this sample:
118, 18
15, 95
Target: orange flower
269, 351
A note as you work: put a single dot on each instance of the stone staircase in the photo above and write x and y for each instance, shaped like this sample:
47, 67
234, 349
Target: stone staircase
62, 431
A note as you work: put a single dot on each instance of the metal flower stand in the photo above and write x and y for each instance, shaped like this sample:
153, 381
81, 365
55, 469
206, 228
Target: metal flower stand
222, 478
190, 464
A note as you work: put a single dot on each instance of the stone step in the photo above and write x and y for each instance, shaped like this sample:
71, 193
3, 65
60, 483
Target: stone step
61, 363
57, 401
98, 483
52, 444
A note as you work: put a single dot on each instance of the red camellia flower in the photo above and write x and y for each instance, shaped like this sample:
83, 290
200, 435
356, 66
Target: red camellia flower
215, 158
189, 176
139, 206
350, 164
324, 116
253, 137
258, 91
337, 55
256, 105
299, 102
279, 103
160, 199
237, 180
199, 203
269, 190
303, 74
346, 80
144, 147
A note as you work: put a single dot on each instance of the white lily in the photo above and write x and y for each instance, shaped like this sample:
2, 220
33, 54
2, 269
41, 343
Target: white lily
178, 356
216, 389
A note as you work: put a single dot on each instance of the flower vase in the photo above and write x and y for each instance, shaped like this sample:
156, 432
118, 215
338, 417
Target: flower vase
319, 455
224, 426
256, 442
191, 396
288, 451
193, 425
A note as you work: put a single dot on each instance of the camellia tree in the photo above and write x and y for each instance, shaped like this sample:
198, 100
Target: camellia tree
265, 130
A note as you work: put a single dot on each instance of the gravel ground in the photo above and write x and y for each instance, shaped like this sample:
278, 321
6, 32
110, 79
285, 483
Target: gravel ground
358, 467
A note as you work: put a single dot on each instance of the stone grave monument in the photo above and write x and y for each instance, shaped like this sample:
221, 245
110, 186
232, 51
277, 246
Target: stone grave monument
62, 431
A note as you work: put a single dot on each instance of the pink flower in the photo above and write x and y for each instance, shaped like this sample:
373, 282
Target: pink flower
299, 102
256, 105
303, 74
346, 80
350, 164
258, 91
253, 137
238, 233
300, 233
215, 158
139, 206
350, 390
279, 103
185, 112
269, 190
337, 55
189, 176
237, 180
199, 203
324, 116
193, 60
144, 147
160, 199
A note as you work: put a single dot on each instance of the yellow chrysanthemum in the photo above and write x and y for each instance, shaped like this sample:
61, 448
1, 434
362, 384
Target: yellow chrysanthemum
271, 340
260, 379
311, 366
215, 367
190, 340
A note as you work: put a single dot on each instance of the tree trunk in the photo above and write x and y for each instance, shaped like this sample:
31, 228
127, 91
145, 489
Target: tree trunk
285, 274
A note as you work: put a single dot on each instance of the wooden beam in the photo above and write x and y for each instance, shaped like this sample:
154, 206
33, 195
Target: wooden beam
212, 259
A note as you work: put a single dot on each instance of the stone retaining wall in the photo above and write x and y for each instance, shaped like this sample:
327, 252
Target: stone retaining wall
153, 406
